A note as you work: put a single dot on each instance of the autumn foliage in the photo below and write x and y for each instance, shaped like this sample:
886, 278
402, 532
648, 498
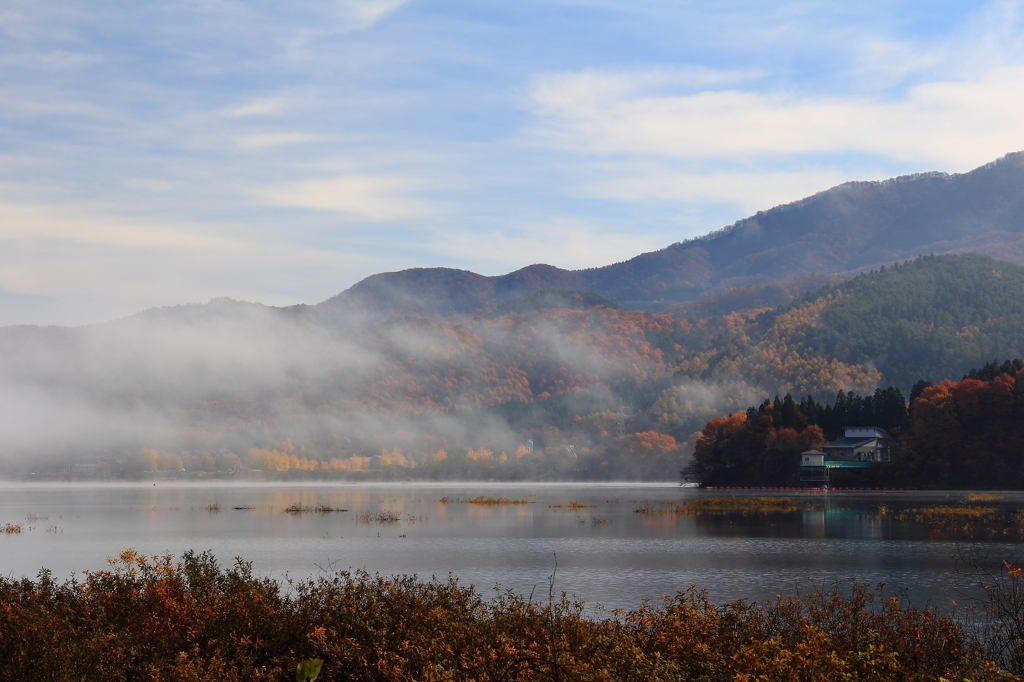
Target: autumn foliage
153, 619
970, 432
751, 448
966, 434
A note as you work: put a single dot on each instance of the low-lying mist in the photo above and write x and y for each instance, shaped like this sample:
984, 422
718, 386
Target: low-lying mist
235, 387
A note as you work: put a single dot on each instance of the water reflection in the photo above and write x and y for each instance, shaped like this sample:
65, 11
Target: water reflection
643, 546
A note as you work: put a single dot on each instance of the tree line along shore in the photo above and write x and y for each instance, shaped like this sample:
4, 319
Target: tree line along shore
965, 434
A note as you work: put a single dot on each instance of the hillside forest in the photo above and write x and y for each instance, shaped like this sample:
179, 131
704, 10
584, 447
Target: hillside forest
966, 434
554, 385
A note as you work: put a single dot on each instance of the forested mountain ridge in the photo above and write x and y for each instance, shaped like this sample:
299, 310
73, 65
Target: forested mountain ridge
844, 230
624, 389
754, 296
931, 318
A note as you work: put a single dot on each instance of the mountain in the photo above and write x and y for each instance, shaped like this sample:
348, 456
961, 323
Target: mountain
458, 371
932, 318
844, 230
753, 297
603, 392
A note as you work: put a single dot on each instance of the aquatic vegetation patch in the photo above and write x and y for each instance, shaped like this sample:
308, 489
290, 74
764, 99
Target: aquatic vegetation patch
193, 619
11, 528
312, 509
383, 517
983, 497
944, 515
572, 505
212, 508
493, 501
746, 505
966, 520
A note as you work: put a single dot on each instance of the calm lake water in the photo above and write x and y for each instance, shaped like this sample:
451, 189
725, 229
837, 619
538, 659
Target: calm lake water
606, 554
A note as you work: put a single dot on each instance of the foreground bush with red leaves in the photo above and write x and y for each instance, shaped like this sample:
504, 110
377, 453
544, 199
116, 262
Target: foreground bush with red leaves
153, 619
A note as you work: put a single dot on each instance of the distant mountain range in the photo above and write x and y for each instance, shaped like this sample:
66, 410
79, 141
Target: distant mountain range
623, 363
840, 232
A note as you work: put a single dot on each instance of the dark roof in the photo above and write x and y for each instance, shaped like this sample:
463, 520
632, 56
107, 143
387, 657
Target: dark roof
850, 442
877, 428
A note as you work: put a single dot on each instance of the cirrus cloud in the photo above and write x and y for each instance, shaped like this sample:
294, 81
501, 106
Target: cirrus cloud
362, 197
956, 123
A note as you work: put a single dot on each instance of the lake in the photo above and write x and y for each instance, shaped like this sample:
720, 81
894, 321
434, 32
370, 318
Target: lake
607, 553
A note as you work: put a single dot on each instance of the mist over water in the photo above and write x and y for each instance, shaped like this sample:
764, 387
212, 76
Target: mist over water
607, 554
223, 378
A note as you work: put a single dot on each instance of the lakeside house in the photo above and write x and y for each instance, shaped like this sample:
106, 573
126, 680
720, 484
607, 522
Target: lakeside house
859, 444
861, 447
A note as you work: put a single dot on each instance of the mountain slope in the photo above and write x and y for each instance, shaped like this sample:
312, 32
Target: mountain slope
755, 296
846, 229
933, 318
558, 368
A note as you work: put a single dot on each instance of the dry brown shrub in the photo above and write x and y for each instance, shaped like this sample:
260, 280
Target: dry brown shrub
152, 618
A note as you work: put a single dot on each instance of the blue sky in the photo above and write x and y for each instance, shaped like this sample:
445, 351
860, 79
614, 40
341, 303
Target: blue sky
163, 153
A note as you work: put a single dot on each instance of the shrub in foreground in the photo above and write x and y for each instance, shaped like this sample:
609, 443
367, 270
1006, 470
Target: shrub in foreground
154, 619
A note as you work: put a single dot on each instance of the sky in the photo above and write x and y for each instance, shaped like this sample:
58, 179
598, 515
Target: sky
160, 153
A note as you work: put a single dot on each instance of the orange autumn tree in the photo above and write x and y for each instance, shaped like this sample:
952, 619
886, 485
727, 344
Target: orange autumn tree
650, 452
968, 433
748, 449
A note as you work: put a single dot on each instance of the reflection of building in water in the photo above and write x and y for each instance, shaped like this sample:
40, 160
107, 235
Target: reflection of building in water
834, 521
813, 522
861, 447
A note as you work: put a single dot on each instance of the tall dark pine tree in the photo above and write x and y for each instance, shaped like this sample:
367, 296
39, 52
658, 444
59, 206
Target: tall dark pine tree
890, 409
790, 418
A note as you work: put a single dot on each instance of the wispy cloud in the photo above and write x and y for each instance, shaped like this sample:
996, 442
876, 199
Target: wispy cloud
267, 106
366, 13
363, 197
388, 134
949, 122
86, 263
26, 221
51, 60
274, 140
